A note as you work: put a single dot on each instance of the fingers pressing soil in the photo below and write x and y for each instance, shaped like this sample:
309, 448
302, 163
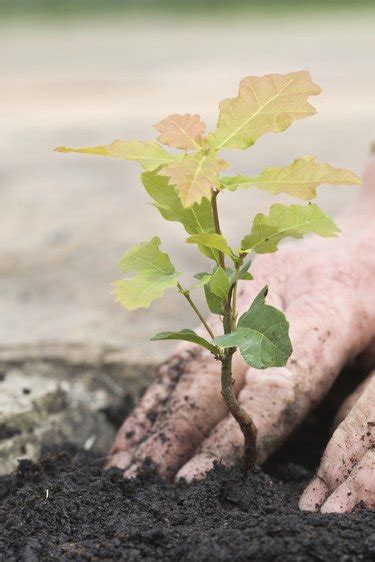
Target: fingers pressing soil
135, 428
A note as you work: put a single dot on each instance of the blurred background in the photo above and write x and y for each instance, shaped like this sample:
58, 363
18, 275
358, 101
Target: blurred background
81, 72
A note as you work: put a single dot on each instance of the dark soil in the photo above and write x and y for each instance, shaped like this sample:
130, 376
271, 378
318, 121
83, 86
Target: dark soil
67, 508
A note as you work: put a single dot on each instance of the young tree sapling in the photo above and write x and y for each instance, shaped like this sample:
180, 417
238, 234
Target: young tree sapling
186, 186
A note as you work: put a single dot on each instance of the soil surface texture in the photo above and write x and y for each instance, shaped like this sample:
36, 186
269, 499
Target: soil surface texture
66, 507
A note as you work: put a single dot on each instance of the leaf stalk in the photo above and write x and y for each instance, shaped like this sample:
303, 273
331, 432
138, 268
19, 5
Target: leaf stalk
187, 296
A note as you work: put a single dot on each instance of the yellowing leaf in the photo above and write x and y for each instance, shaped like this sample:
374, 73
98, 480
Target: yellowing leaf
287, 221
264, 104
300, 179
181, 131
95, 150
215, 241
194, 176
155, 273
149, 155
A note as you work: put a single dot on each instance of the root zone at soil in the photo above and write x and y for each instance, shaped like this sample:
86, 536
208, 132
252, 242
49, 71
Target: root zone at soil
67, 508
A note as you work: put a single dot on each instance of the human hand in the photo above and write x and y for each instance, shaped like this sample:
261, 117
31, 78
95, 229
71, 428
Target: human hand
346, 475
326, 290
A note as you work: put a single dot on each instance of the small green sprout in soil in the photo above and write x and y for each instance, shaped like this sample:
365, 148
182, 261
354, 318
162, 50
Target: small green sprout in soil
186, 187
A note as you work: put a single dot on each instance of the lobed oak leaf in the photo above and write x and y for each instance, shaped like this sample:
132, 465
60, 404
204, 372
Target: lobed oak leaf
181, 131
155, 273
264, 104
195, 176
299, 179
149, 155
286, 221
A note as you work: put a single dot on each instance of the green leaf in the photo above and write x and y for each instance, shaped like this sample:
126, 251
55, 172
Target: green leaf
196, 219
213, 241
203, 276
264, 104
195, 176
149, 155
287, 221
203, 279
299, 179
243, 273
155, 273
187, 335
214, 303
260, 299
262, 335
219, 283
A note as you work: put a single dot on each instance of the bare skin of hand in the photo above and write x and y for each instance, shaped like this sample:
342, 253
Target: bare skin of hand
346, 475
326, 289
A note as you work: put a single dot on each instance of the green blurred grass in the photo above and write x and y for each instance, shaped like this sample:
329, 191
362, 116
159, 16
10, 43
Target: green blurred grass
58, 8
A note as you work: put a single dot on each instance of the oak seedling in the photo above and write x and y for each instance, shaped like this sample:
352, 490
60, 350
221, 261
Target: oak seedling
186, 186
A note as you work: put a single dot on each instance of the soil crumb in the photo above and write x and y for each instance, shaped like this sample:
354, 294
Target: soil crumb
67, 508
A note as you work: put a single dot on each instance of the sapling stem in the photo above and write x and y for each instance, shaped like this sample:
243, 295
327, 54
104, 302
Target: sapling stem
243, 419
187, 296
234, 297
215, 214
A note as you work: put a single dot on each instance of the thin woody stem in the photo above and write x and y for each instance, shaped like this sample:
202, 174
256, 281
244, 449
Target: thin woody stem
243, 419
234, 307
234, 298
215, 214
227, 320
195, 308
